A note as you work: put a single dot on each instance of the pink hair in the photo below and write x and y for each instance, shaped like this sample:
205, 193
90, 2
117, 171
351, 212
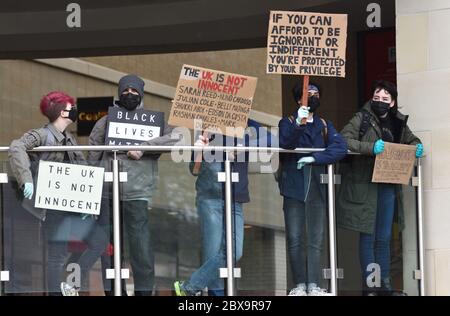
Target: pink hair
53, 103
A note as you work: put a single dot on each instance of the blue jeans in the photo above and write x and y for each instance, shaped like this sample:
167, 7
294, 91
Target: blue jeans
60, 228
212, 222
57, 233
304, 223
375, 248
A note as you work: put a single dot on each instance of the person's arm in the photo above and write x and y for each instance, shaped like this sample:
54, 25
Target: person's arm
18, 156
410, 138
351, 134
170, 137
289, 133
97, 138
336, 148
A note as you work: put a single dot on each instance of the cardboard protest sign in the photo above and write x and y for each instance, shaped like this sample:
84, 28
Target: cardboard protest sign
212, 101
395, 164
69, 188
133, 127
307, 43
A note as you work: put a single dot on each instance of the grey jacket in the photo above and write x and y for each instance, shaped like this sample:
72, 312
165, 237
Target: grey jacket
25, 164
142, 174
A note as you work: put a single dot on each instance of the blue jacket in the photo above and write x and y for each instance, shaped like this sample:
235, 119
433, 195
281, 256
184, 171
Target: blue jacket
295, 183
208, 187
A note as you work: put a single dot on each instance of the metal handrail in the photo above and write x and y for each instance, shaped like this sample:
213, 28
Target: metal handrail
162, 149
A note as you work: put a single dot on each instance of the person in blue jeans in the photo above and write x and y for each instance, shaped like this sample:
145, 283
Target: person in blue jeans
366, 207
304, 197
211, 210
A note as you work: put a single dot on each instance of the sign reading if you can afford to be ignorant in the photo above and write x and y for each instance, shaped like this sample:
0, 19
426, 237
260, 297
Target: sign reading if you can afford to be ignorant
307, 43
69, 188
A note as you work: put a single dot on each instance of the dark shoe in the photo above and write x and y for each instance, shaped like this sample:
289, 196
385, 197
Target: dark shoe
387, 290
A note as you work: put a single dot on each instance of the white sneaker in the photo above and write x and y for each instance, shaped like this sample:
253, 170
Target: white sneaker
68, 290
317, 291
298, 291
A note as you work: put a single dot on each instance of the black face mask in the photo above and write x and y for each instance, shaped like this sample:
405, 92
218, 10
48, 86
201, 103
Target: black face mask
313, 103
380, 108
130, 101
73, 114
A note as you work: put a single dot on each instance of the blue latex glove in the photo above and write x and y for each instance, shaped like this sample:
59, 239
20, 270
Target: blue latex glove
303, 161
28, 190
378, 148
419, 150
302, 113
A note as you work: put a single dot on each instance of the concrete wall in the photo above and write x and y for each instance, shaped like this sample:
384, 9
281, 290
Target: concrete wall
165, 68
423, 55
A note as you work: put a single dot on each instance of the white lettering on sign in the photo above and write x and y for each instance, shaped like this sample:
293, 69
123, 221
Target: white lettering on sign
133, 131
68, 187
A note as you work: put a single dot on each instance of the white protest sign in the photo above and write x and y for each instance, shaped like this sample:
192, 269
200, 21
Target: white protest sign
69, 188
133, 127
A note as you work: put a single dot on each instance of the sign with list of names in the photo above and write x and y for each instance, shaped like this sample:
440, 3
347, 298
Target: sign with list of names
212, 101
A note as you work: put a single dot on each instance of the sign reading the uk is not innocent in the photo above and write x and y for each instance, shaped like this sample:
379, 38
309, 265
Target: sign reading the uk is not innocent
133, 127
69, 188
212, 101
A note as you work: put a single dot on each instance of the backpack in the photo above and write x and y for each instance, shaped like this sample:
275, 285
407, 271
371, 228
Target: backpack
365, 123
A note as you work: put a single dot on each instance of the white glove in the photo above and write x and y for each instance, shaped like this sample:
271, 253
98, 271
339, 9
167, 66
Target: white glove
303, 161
303, 113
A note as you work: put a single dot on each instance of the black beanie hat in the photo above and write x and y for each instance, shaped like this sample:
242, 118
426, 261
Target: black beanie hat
131, 81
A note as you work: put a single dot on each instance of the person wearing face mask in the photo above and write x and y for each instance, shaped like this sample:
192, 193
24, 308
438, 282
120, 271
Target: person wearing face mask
367, 207
136, 194
61, 111
303, 195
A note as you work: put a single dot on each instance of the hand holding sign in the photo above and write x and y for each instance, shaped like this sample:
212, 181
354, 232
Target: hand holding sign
203, 140
419, 151
28, 190
303, 113
135, 154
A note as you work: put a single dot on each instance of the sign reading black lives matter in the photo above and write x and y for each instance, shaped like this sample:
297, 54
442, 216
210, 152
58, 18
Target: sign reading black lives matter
212, 101
307, 43
133, 127
68, 187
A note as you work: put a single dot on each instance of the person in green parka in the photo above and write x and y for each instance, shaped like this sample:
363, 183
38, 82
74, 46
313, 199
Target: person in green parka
367, 207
